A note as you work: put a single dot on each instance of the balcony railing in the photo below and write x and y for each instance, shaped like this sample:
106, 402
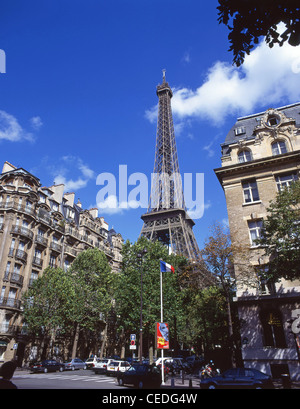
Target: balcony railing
10, 302
69, 250
23, 231
37, 261
20, 254
7, 329
41, 240
55, 246
14, 278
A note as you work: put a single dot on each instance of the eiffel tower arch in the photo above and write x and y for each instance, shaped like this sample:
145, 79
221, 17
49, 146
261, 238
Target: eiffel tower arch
166, 218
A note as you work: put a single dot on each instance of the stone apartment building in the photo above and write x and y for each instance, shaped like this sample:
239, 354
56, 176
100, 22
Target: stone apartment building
40, 227
260, 156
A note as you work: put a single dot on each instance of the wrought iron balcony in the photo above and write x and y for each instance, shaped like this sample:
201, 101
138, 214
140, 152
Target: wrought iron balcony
23, 231
20, 254
41, 240
8, 302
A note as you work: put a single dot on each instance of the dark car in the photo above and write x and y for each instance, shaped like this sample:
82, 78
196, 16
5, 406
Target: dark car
236, 378
49, 365
140, 376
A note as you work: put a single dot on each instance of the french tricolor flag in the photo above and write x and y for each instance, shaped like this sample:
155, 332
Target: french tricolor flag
166, 268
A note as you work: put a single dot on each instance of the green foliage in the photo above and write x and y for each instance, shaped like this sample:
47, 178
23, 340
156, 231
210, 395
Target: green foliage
248, 20
48, 303
281, 235
206, 317
129, 287
59, 298
93, 286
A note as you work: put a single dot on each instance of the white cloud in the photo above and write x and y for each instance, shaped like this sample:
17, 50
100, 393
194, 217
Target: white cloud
111, 205
73, 163
70, 185
198, 211
11, 130
36, 122
269, 76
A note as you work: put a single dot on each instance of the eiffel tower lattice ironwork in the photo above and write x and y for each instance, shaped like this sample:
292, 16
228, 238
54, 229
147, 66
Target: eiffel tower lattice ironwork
167, 219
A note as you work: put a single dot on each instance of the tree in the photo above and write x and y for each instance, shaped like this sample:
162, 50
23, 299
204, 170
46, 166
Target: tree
129, 290
47, 305
281, 235
218, 257
93, 286
206, 318
249, 20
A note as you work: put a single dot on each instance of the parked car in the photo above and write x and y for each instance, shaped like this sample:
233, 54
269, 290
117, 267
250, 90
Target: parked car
90, 362
117, 366
238, 378
140, 376
171, 365
48, 365
75, 363
101, 365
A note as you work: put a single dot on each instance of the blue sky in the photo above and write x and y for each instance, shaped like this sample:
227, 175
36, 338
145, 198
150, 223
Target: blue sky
79, 94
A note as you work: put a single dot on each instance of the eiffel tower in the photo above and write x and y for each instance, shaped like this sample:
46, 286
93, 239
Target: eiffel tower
167, 219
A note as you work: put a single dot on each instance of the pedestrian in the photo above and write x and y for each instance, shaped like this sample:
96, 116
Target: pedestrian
6, 371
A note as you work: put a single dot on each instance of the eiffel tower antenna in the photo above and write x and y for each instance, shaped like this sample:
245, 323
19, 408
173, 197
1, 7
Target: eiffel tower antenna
166, 218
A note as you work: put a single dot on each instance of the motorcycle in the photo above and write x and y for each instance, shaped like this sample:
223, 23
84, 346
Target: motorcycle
208, 371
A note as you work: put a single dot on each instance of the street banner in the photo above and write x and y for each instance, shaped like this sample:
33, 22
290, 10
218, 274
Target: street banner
162, 335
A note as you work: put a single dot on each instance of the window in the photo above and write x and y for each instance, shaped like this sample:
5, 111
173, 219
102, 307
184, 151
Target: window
52, 262
42, 198
266, 285
37, 254
244, 156
17, 269
284, 181
7, 267
273, 334
273, 120
54, 207
250, 192
255, 230
278, 148
240, 130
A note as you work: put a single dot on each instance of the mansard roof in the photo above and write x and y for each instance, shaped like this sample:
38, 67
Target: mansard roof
245, 126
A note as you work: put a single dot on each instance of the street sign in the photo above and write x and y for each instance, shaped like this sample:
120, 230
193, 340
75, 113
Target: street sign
132, 341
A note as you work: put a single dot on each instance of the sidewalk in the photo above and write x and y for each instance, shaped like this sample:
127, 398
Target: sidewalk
194, 383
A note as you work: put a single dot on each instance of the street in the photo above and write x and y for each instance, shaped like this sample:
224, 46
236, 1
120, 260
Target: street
81, 379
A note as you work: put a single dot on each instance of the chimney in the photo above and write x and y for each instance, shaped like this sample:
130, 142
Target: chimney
69, 198
94, 212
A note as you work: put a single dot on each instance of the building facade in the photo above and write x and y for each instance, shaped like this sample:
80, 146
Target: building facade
40, 227
261, 156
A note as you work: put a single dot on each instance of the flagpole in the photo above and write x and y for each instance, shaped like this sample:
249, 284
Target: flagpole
161, 320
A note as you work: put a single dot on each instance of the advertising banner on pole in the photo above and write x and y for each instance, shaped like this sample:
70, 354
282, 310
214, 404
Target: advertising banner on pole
162, 335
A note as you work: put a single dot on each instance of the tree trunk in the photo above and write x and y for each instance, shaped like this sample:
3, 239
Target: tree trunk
75, 343
103, 341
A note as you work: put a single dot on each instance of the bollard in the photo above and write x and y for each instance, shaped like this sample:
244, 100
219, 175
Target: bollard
286, 381
182, 377
172, 383
190, 383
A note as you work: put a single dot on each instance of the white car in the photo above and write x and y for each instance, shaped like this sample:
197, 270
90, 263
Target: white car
159, 360
117, 366
101, 365
90, 362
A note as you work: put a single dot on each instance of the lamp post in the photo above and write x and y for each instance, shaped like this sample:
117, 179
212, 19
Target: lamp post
140, 256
